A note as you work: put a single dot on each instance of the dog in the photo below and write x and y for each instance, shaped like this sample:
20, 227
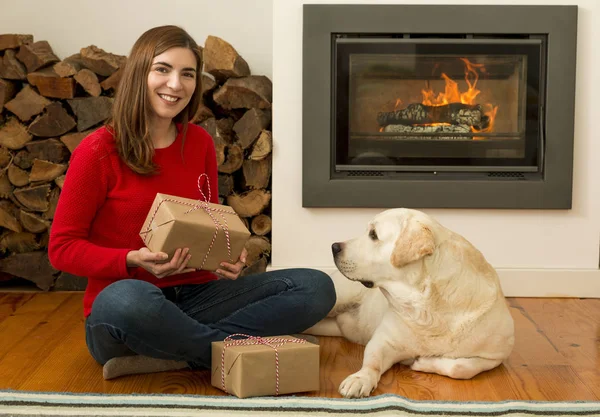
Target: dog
419, 294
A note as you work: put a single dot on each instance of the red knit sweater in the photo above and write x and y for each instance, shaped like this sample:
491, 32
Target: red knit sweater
103, 205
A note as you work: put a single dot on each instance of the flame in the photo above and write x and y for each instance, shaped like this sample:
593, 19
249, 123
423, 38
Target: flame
452, 94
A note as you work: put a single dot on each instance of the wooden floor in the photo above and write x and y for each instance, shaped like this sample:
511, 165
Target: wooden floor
556, 356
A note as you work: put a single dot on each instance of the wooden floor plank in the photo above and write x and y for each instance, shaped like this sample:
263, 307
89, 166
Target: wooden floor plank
43, 335
28, 316
40, 343
10, 302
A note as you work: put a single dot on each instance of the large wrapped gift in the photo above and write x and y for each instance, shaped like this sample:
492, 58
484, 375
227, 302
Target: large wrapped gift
214, 233
259, 366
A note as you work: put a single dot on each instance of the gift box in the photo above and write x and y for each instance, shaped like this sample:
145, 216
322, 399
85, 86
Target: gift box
254, 366
213, 232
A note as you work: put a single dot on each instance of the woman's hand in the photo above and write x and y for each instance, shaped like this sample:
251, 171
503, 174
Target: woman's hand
156, 262
232, 271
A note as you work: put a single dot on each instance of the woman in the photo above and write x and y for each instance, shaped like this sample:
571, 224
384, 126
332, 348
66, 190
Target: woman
144, 312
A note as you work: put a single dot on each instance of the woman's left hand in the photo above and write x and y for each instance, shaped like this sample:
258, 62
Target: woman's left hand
232, 271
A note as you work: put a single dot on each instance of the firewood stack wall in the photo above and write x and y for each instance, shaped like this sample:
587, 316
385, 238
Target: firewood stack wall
48, 105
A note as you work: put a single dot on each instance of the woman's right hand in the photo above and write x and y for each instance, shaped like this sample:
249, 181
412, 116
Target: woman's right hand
156, 262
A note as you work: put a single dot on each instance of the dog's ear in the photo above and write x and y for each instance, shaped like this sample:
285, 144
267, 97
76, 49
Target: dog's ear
415, 242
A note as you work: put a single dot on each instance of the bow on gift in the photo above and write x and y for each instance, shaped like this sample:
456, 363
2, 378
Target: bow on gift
213, 212
272, 342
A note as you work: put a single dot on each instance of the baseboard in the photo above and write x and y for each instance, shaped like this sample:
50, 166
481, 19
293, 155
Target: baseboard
579, 283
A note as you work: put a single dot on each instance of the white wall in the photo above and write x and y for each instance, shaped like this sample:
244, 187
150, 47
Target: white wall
552, 245
114, 25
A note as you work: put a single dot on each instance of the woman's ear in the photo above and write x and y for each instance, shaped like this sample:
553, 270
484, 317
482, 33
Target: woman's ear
415, 242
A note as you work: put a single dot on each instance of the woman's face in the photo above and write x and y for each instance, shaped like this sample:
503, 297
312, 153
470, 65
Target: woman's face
171, 82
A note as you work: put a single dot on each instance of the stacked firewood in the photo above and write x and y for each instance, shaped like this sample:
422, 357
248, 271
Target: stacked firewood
48, 105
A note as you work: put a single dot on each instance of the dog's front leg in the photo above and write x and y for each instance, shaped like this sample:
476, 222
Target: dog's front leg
380, 354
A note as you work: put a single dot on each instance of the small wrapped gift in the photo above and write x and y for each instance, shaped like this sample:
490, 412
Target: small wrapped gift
214, 233
259, 366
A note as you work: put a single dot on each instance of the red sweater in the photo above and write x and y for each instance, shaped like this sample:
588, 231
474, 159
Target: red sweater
103, 205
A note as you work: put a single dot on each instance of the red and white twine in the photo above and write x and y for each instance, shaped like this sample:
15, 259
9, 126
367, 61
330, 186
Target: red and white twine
204, 205
272, 342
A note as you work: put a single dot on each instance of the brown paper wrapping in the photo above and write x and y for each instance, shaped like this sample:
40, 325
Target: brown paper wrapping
250, 369
168, 227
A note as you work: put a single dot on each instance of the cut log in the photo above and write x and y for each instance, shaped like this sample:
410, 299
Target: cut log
262, 147
36, 55
17, 176
46, 171
73, 139
8, 89
34, 198
5, 157
257, 247
69, 66
52, 203
49, 84
220, 130
419, 114
257, 173
101, 62
11, 68
250, 126
32, 266
60, 181
6, 187
69, 282
208, 84
222, 61
89, 81
258, 267
27, 104
261, 225
226, 184
90, 111
112, 82
249, 204
49, 150
23, 159
255, 91
9, 221
33, 223
425, 132
14, 135
54, 122
220, 151
234, 158
14, 41
18, 242
202, 114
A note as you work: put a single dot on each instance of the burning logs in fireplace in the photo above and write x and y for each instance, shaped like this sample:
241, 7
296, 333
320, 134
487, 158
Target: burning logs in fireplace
421, 118
48, 105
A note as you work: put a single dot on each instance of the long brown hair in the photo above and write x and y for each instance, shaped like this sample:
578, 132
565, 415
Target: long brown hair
132, 111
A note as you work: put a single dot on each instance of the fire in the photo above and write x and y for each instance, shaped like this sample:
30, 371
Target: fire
452, 93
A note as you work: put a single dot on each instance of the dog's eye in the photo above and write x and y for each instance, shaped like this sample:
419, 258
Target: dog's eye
373, 234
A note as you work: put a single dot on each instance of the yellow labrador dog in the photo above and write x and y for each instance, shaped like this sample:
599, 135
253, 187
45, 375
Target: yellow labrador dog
418, 294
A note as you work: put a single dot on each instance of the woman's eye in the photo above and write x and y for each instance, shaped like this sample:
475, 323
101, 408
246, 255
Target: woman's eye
373, 234
161, 69
189, 74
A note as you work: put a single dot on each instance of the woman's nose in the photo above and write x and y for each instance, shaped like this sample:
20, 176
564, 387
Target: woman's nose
174, 82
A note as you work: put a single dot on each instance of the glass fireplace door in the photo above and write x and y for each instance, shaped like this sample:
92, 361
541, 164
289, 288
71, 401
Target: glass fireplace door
441, 105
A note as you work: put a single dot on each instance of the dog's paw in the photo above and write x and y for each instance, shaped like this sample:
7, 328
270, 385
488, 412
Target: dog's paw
357, 385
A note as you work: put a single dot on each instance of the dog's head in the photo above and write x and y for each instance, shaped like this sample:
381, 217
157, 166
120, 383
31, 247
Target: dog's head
393, 239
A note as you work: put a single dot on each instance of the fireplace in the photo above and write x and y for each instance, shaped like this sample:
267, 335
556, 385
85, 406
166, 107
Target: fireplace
438, 106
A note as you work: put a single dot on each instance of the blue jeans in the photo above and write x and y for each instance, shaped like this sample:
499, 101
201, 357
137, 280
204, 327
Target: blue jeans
135, 317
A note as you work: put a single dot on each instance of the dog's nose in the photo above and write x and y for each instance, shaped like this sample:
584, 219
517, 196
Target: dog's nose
336, 248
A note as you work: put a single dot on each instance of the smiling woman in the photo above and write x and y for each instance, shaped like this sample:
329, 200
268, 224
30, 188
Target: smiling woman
146, 312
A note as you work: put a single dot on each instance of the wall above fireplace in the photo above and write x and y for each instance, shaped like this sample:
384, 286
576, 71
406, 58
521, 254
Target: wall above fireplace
383, 127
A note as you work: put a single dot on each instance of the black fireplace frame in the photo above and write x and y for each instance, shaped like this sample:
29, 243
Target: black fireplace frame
550, 189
